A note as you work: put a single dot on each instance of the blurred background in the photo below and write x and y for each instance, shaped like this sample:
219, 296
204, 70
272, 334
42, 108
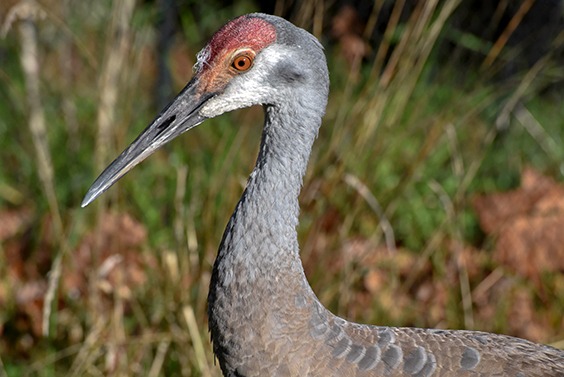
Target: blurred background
434, 196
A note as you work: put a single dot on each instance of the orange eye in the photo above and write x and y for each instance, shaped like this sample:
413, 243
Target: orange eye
243, 61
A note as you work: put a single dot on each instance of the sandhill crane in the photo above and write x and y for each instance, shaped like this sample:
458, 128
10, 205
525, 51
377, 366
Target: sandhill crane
264, 318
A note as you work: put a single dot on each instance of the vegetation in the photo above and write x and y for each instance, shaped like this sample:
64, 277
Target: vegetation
415, 130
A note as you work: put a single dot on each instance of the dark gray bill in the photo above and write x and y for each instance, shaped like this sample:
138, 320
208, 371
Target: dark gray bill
178, 117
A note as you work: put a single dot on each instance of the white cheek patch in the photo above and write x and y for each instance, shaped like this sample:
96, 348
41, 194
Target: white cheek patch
236, 96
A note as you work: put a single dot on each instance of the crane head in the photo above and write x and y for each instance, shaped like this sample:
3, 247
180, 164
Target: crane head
253, 59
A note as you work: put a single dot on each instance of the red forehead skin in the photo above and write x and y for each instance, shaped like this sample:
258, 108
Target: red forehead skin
244, 31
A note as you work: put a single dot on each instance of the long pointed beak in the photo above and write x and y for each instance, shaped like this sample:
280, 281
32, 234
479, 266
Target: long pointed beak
181, 115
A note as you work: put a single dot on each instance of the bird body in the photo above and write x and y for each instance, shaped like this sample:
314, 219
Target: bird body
264, 318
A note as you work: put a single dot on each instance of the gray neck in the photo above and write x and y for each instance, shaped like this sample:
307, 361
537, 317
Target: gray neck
270, 202
258, 270
262, 230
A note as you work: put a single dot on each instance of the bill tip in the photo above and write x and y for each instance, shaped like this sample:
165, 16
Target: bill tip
88, 198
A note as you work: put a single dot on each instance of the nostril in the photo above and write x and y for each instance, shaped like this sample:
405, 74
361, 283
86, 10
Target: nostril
164, 125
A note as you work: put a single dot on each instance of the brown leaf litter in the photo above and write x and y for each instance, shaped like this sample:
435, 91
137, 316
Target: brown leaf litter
528, 224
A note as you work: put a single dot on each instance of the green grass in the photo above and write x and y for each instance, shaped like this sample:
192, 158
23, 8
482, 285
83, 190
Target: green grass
419, 139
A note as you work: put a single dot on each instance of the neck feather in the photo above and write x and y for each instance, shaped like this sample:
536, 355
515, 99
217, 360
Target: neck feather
258, 273
265, 219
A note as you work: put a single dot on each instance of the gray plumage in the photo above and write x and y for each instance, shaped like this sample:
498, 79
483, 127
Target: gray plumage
264, 318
